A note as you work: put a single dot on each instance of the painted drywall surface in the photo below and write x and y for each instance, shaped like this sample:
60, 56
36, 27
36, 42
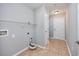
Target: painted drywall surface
46, 25
17, 38
51, 27
71, 31
78, 20
78, 28
15, 12
40, 27
67, 24
34, 27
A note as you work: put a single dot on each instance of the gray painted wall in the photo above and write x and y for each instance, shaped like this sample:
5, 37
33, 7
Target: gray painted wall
42, 25
14, 18
71, 28
78, 28
51, 27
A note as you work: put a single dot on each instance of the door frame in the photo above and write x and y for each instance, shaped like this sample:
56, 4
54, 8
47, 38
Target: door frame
64, 28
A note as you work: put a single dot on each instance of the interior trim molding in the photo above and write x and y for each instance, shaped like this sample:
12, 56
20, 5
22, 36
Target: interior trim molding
55, 38
68, 47
16, 54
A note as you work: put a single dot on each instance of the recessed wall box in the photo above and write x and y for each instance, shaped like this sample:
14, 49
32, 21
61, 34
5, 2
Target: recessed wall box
3, 32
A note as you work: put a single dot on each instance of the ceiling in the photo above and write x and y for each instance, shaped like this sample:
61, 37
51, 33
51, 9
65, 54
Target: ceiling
33, 5
59, 6
49, 6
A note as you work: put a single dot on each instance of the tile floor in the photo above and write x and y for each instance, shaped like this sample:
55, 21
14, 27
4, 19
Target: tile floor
54, 48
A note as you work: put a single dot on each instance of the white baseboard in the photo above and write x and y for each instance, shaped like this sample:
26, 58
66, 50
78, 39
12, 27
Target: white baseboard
68, 48
21, 51
52, 38
27, 49
61, 39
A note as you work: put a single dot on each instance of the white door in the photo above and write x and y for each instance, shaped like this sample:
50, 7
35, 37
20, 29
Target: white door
58, 27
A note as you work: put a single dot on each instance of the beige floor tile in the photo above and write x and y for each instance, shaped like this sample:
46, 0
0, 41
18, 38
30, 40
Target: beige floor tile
54, 48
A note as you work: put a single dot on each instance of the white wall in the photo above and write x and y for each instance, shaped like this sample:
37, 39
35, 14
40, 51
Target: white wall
78, 28
41, 26
46, 25
78, 20
17, 14
51, 27
71, 28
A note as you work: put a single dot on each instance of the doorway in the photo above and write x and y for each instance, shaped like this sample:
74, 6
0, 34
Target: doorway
57, 28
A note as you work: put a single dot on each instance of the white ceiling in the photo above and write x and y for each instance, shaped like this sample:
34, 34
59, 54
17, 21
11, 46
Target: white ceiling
59, 6
50, 6
33, 5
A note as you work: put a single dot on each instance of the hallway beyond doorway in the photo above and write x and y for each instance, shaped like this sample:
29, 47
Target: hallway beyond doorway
54, 48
